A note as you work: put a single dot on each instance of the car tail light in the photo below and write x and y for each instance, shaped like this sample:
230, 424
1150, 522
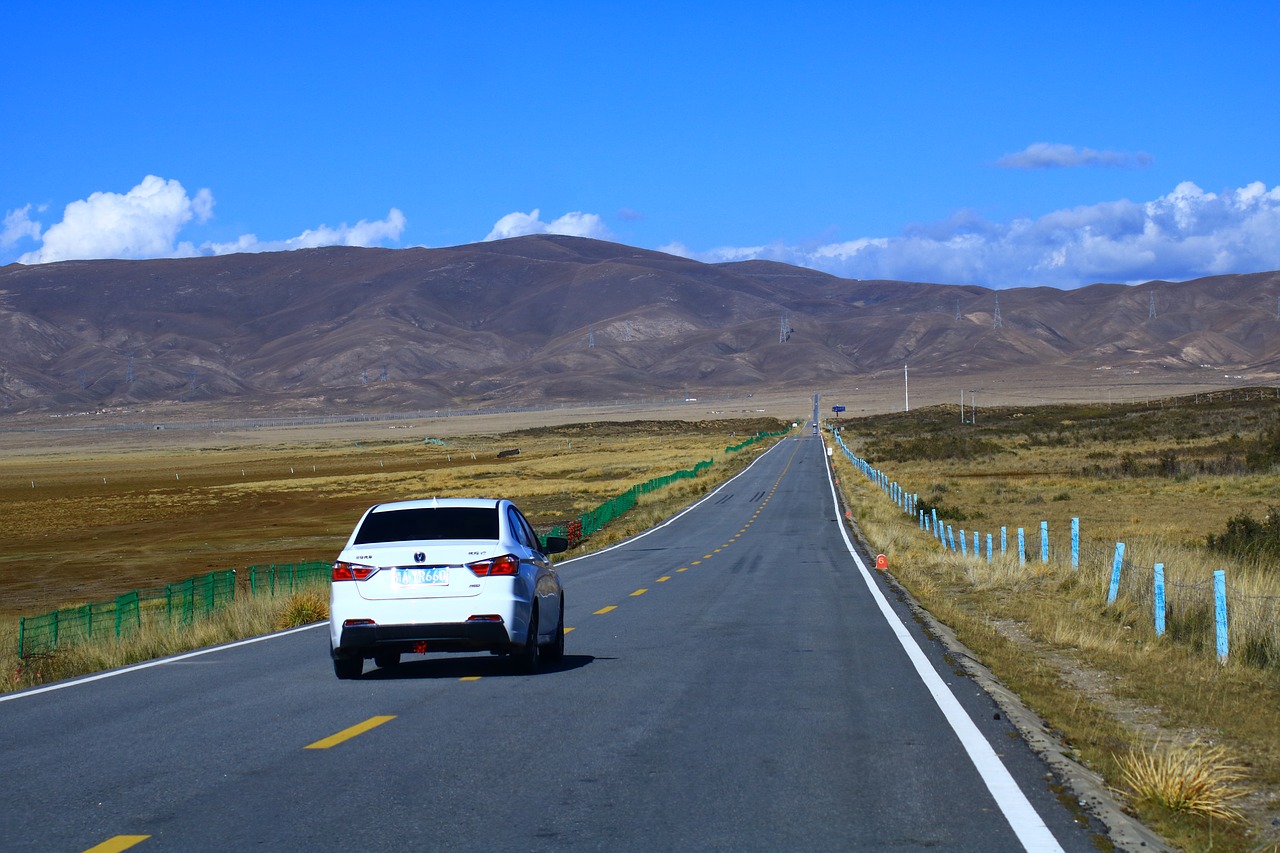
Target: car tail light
350, 622
488, 617
504, 565
352, 571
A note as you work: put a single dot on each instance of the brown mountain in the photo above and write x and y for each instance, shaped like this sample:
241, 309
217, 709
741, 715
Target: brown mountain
549, 319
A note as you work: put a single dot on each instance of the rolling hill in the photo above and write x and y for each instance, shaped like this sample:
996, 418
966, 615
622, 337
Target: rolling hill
551, 319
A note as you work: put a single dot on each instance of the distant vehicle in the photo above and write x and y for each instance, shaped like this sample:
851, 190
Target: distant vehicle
445, 575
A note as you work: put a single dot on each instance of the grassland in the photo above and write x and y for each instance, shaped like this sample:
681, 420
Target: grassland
1162, 477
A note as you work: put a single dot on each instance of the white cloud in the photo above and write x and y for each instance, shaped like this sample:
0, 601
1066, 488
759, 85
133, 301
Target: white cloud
18, 225
146, 222
363, 233
1181, 235
142, 223
1052, 155
575, 224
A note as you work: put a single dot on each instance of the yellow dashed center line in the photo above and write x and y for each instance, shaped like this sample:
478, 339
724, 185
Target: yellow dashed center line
347, 734
664, 578
567, 630
115, 845
469, 678
697, 562
640, 591
604, 610
683, 569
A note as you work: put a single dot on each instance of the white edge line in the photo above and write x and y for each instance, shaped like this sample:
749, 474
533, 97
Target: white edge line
62, 685
1017, 809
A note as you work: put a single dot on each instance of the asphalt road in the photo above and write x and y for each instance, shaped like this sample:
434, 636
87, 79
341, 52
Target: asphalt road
733, 680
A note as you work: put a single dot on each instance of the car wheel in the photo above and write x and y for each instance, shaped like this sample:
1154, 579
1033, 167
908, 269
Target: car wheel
526, 657
554, 651
386, 660
346, 667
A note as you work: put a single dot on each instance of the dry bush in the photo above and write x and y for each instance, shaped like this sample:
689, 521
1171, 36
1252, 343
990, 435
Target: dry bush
1194, 777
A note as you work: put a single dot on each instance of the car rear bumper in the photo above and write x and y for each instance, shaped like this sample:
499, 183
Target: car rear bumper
365, 640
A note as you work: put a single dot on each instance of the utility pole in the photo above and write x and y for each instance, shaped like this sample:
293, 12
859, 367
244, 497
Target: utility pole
591, 338
999, 323
906, 391
784, 333
1151, 306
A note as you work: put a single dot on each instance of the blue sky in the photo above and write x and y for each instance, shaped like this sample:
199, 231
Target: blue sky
998, 144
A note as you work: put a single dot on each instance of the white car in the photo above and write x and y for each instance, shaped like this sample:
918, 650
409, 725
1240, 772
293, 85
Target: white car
445, 575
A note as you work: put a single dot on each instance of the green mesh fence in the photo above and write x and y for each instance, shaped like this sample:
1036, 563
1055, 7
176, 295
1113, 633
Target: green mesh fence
166, 606
591, 521
172, 604
287, 578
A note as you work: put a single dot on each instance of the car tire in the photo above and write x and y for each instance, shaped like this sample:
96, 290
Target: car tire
553, 652
526, 657
386, 660
347, 667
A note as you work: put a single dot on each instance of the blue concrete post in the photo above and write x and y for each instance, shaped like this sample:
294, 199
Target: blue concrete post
1022, 547
1115, 574
1159, 596
1220, 612
1075, 543
1044, 541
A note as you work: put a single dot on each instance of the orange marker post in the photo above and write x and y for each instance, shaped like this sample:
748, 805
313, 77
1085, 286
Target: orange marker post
882, 562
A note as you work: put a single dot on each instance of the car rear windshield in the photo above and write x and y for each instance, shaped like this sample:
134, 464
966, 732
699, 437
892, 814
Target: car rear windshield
454, 522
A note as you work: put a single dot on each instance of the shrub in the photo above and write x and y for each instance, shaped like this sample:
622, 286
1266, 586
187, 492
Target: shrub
1248, 538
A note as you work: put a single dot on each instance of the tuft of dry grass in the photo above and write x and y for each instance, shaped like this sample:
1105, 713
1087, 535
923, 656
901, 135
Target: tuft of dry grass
1193, 777
302, 608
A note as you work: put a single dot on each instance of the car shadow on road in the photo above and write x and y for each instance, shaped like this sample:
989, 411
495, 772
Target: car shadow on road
470, 666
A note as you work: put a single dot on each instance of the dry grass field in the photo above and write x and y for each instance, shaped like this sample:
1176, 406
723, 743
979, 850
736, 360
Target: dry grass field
91, 515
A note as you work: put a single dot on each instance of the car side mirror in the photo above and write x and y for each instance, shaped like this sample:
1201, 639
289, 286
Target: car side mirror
556, 545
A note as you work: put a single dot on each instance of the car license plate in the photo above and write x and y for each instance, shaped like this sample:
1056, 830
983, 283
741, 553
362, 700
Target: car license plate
433, 576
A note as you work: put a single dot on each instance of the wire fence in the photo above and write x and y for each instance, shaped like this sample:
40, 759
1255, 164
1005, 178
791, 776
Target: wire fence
1207, 615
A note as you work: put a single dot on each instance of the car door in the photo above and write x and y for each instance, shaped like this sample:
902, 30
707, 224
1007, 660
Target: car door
546, 582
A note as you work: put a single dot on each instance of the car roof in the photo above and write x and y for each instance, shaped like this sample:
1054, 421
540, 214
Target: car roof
437, 503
